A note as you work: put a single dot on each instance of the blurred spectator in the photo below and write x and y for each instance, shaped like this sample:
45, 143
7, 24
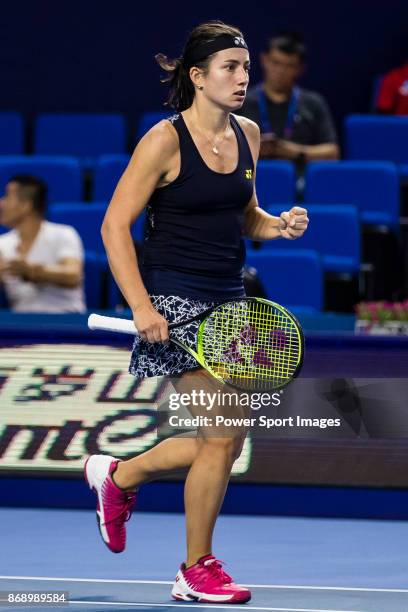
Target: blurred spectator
295, 124
393, 93
41, 263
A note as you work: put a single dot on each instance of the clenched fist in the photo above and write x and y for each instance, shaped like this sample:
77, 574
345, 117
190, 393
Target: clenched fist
293, 223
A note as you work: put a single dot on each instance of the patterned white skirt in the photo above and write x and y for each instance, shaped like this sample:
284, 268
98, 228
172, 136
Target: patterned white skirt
156, 359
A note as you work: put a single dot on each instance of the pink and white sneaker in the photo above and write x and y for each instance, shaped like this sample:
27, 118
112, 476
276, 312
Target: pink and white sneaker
114, 505
207, 582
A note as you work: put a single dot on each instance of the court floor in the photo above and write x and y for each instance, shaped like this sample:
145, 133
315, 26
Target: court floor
291, 564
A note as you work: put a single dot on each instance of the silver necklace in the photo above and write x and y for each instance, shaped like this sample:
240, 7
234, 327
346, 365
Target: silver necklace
214, 146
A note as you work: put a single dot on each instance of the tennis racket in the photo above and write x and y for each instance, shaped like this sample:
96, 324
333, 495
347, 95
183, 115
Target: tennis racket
249, 343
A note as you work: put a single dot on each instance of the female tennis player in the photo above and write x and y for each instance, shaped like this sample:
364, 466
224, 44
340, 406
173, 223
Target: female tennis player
195, 174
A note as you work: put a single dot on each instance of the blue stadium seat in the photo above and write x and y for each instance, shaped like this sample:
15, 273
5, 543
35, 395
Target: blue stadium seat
149, 119
334, 232
96, 274
373, 187
108, 170
11, 133
275, 182
85, 135
375, 137
61, 174
403, 171
87, 219
291, 278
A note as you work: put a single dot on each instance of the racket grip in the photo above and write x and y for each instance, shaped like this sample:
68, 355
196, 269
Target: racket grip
114, 324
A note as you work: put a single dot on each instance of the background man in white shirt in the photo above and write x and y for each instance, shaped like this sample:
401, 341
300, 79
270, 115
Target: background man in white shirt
41, 263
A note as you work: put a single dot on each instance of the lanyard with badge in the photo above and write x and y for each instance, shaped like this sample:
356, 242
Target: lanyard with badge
263, 112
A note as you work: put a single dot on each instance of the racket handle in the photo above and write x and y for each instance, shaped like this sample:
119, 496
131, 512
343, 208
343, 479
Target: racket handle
114, 324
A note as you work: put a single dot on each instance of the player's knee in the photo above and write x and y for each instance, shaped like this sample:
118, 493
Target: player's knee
230, 447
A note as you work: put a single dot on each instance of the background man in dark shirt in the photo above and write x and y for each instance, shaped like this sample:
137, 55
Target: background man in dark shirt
295, 124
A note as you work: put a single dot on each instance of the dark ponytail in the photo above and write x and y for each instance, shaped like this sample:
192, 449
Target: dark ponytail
182, 90
181, 93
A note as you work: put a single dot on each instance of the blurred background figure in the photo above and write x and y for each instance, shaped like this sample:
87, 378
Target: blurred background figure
295, 123
392, 97
41, 263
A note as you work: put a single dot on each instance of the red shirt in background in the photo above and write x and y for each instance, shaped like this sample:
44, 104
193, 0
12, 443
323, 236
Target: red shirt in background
393, 94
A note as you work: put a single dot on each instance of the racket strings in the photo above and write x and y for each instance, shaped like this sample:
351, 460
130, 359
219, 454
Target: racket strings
253, 342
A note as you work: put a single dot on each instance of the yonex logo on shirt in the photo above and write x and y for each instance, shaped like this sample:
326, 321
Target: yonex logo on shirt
248, 174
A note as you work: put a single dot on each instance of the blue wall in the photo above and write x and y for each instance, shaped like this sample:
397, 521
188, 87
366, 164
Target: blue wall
269, 500
99, 55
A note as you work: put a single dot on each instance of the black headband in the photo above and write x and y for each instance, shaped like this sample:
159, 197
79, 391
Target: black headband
225, 41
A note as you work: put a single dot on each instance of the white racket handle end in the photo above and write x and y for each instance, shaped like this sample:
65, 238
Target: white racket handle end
113, 324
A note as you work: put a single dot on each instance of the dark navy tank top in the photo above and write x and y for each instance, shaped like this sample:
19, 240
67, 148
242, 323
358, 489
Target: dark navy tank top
193, 245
